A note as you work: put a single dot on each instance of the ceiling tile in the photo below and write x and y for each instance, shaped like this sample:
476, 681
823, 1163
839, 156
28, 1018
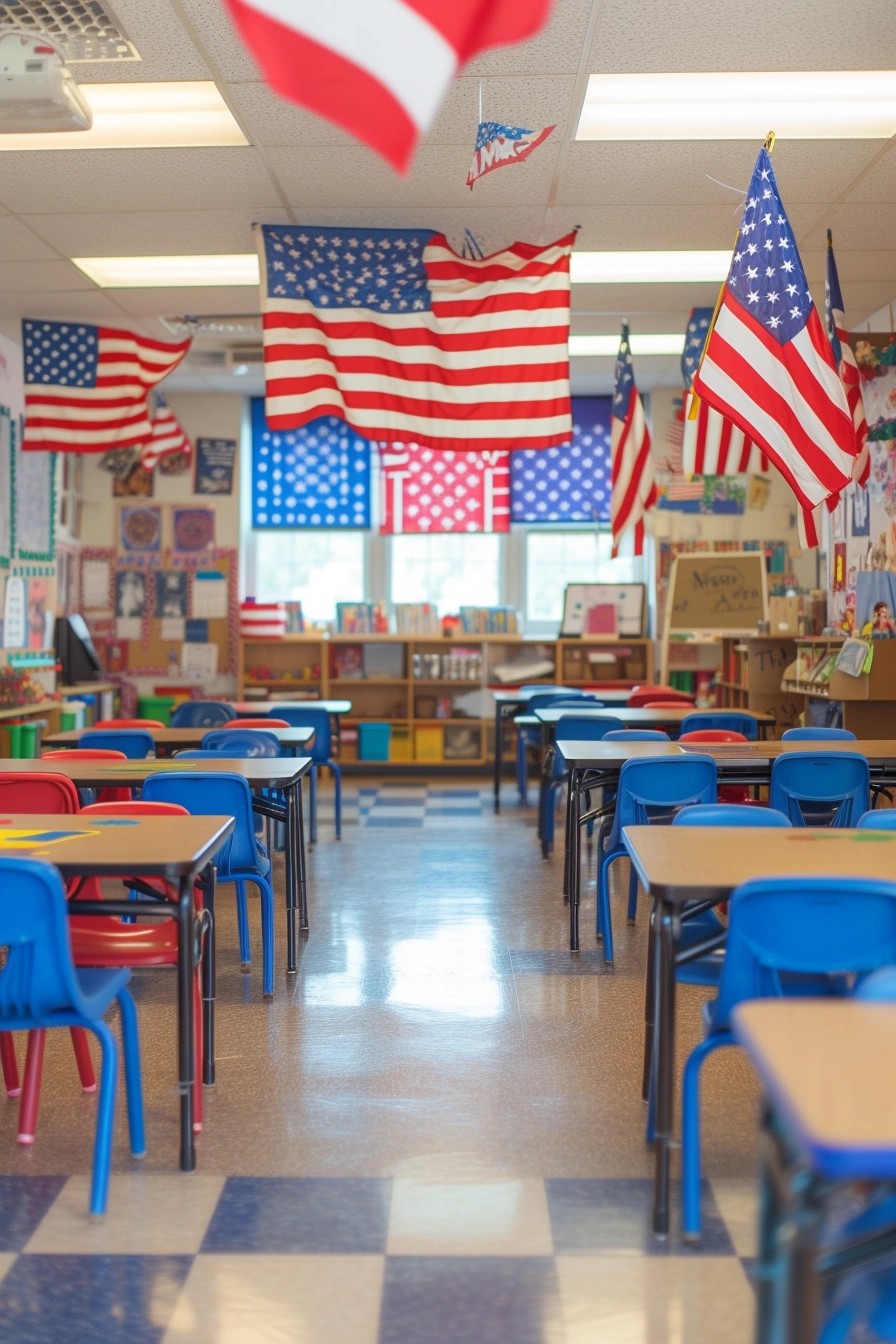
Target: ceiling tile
556, 50
80, 306
166, 50
40, 277
135, 234
202, 301
18, 243
219, 39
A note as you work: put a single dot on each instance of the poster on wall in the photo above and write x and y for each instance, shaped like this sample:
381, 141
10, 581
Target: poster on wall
214, 466
136, 483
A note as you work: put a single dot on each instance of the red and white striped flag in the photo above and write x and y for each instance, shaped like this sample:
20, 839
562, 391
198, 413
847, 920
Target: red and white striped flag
377, 68
393, 332
167, 436
87, 388
713, 446
427, 491
768, 363
633, 486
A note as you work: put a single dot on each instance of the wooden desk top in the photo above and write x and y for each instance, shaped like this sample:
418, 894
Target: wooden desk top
169, 847
188, 736
825, 1065
639, 718
679, 863
261, 772
259, 708
610, 696
595, 755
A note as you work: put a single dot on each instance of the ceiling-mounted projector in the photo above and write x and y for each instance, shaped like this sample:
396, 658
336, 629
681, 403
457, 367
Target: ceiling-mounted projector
37, 91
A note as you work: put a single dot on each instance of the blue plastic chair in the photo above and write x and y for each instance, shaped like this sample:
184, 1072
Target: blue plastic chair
321, 753
878, 821
820, 788
576, 728
202, 714
747, 724
242, 859
41, 988
818, 735
136, 743
241, 742
637, 735
782, 933
528, 736
650, 791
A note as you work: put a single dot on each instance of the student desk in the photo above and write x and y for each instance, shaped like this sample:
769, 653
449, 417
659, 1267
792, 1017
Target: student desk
511, 702
259, 709
177, 849
169, 740
282, 773
830, 1116
683, 863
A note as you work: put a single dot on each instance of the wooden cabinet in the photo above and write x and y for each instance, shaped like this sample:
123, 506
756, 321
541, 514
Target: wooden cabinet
750, 677
433, 693
868, 702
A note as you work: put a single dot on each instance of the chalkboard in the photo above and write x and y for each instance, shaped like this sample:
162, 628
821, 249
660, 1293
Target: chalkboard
717, 592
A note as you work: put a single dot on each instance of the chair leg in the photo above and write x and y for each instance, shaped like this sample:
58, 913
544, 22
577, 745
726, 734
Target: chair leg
604, 918
632, 895
197, 1052
83, 1059
690, 1134
9, 1064
242, 920
133, 1074
105, 1118
34, 1060
312, 806
337, 796
267, 938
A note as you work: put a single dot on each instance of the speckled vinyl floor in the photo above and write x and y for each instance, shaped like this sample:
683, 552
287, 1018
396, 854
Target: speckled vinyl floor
433, 1135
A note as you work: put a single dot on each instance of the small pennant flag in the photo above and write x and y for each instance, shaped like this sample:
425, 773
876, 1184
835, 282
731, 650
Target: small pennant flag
167, 436
498, 145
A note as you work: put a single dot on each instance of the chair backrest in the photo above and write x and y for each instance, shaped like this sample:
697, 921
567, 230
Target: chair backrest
576, 727
38, 793
83, 754
666, 704
827, 788
311, 716
241, 742
643, 694
544, 699
711, 735
745, 724
636, 735
210, 795
818, 735
38, 979
878, 820
879, 986
102, 724
537, 686
267, 722
136, 743
729, 814
202, 714
135, 807
652, 789
237, 751
803, 926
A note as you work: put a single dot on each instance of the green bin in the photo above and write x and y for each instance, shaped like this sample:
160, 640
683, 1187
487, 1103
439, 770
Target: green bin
155, 707
28, 740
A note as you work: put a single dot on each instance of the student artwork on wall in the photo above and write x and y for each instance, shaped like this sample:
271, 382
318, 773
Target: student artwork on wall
137, 482
170, 593
140, 528
603, 609
194, 530
215, 460
6, 438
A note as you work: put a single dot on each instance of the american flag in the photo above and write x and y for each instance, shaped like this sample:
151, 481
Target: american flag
317, 476
498, 145
711, 445
167, 436
427, 491
768, 364
846, 362
634, 489
87, 388
393, 332
377, 68
569, 484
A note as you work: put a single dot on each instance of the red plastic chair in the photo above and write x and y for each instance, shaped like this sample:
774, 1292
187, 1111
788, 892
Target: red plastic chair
128, 723
56, 794
255, 723
728, 793
666, 704
641, 696
108, 943
110, 795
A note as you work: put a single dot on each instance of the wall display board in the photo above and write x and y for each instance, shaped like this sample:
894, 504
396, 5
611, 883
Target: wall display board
717, 593
589, 607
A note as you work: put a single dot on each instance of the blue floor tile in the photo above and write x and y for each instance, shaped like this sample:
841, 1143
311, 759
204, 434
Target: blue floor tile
606, 1216
79, 1299
23, 1202
374, 820
295, 1215
455, 1300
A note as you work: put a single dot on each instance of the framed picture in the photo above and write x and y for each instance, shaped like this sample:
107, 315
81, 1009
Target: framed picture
214, 466
607, 609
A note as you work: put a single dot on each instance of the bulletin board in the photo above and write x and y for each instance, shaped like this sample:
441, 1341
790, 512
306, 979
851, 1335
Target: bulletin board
624, 601
717, 592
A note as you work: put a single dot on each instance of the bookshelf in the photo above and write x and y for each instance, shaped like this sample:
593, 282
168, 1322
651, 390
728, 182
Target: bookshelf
868, 701
750, 677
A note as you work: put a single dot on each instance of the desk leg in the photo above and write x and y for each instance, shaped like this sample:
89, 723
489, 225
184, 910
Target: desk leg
499, 743
209, 979
544, 791
664, 1057
575, 780
185, 1051
567, 842
303, 883
291, 858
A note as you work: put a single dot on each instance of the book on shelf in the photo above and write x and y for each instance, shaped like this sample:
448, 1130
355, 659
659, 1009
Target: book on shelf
489, 620
361, 618
416, 618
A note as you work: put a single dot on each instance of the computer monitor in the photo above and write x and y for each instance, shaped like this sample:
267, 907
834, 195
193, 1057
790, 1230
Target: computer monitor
75, 651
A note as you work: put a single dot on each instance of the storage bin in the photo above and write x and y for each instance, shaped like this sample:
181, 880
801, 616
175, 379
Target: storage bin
401, 747
383, 660
373, 741
155, 707
428, 743
262, 620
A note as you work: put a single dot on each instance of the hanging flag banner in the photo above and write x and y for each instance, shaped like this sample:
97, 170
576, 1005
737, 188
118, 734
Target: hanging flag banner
428, 491
498, 145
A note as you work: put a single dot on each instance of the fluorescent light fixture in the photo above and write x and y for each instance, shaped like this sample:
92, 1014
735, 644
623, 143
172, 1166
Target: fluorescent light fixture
615, 268
608, 346
796, 105
238, 268
144, 116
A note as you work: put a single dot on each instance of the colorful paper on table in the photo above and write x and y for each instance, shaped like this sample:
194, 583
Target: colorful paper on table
14, 837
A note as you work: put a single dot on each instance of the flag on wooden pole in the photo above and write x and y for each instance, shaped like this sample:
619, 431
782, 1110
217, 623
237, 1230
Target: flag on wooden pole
633, 485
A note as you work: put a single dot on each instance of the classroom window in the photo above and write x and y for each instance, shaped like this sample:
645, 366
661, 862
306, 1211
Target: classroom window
317, 569
450, 571
554, 559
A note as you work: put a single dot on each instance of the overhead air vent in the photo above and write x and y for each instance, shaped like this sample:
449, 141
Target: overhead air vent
239, 357
80, 30
233, 324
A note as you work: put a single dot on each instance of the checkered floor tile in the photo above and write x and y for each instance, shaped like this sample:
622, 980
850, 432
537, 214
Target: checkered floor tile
414, 805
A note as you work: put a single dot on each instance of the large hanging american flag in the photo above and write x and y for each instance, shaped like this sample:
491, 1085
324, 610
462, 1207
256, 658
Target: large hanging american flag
393, 332
426, 491
167, 438
768, 364
377, 68
317, 476
87, 388
569, 484
634, 488
711, 444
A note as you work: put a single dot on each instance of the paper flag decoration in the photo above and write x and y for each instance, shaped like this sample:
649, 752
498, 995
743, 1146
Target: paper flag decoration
497, 146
